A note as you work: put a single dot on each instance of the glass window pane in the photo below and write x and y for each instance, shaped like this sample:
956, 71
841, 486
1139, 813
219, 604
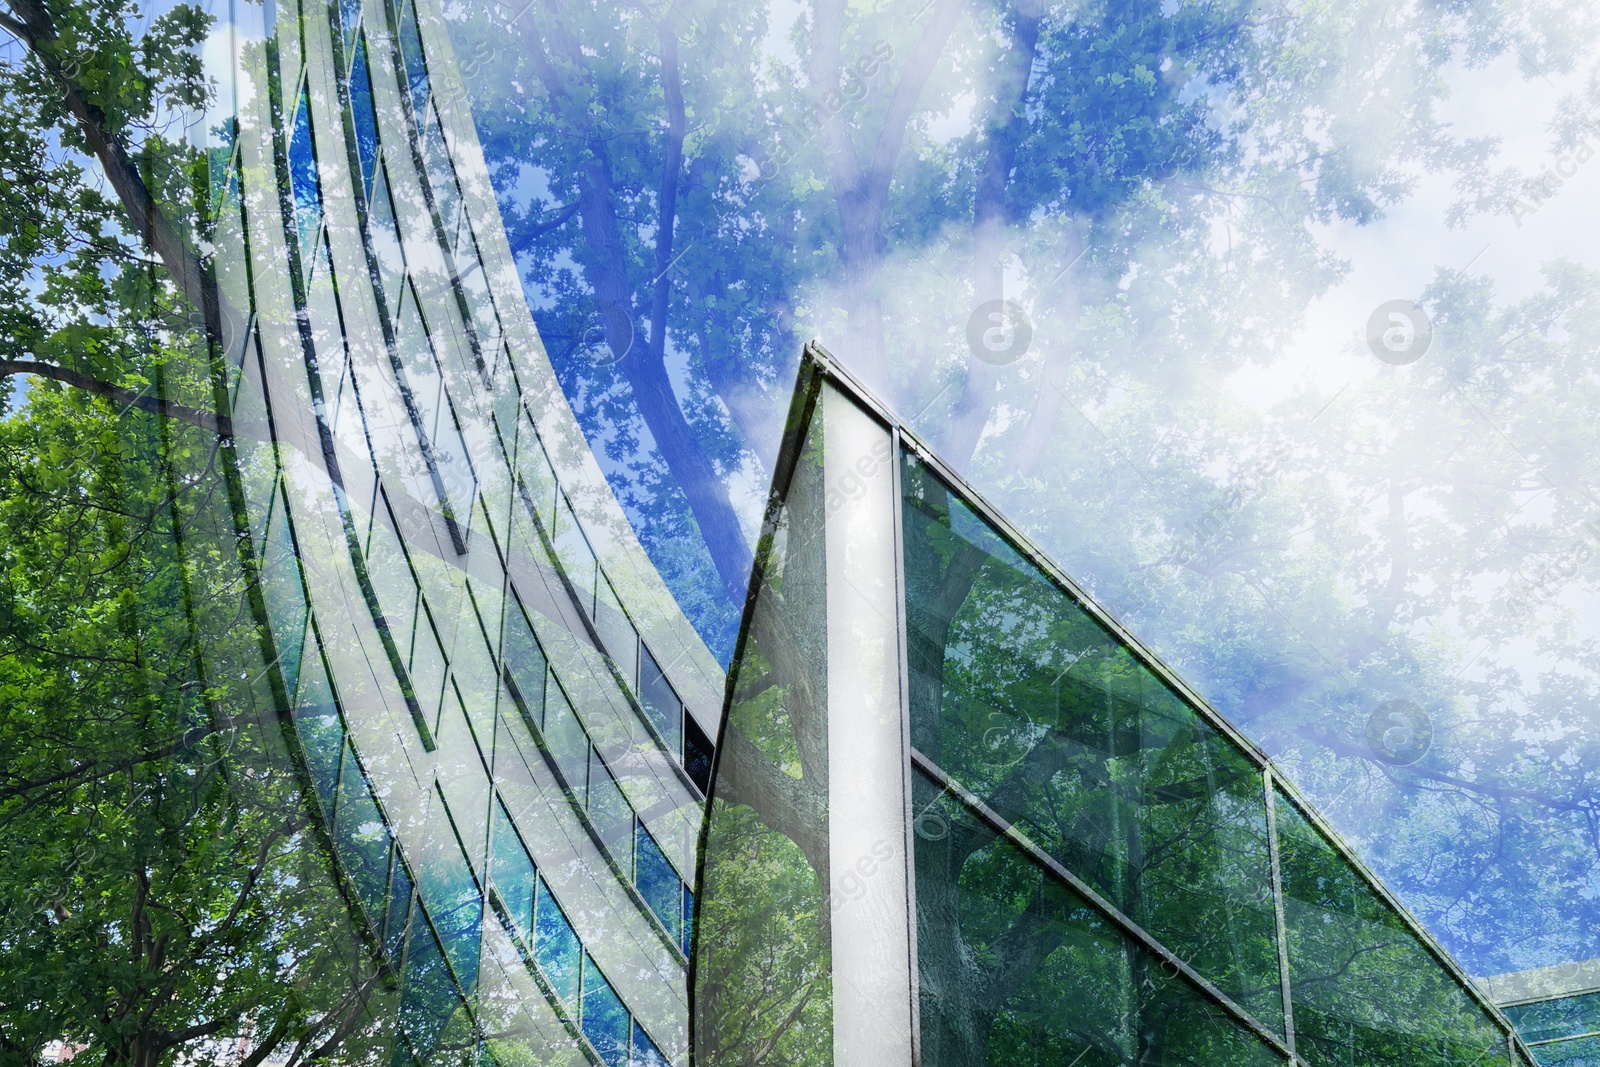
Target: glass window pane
394, 931
321, 733
617, 634
303, 175
454, 900
1564, 1017
441, 436
411, 52
361, 838
1584, 1052
610, 812
441, 177
645, 1053
688, 919
573, 553
698, 753
1017, 968
507, 407
1018, 694
658, 883
568, 743
1365, 989
363, 115
605, 1020
384, 232
511, 871
763, 979
427, 671
481, 309
536, 476
660, 700
556, 948
349, 17
284, 594
428, 998
524, 659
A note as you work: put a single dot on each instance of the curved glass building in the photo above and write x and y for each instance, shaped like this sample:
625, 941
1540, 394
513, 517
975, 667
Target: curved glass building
961, 816
505, 717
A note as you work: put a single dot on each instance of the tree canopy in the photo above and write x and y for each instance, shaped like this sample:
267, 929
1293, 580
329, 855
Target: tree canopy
167, 895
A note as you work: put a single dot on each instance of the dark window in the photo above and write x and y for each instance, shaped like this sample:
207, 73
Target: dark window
688, 919
697, 754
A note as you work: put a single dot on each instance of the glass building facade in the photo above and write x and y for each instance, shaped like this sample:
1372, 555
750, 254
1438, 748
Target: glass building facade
389, 394
960, 816
505, 718
1556, 1009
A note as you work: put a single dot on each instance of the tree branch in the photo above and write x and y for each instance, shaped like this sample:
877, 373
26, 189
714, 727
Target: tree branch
34, 26
128, 398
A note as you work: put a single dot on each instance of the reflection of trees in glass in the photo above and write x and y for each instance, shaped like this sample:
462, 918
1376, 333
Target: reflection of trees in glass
1024, 699
1365, 990
1016, 968
763, 989
165, 894
164, 889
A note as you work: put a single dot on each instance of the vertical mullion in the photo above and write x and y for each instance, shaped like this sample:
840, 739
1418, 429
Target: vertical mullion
902, 655
1277, 908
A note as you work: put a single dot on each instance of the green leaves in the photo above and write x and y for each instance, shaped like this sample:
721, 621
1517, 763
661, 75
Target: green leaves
163, 883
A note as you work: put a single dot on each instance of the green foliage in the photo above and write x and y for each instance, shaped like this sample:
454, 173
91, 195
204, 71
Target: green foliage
763, 983
764, 990
156, 837
168, 896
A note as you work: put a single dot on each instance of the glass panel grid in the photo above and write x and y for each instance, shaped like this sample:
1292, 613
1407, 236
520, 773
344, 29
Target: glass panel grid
1104, 873
1559, 1017
1021, 696
1016, 966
